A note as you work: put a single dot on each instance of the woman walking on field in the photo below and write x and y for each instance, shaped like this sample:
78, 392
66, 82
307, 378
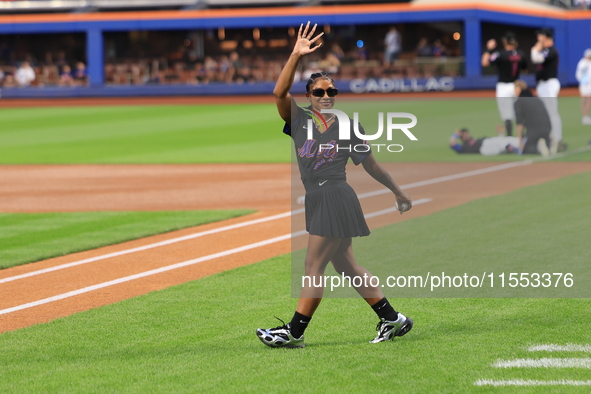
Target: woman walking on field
333, 212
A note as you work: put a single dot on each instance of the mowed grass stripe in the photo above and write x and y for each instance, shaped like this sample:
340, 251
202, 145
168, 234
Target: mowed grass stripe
167, 134
27, 237
199, 336
240, 133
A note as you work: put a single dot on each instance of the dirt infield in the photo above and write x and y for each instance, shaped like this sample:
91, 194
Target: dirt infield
31, 296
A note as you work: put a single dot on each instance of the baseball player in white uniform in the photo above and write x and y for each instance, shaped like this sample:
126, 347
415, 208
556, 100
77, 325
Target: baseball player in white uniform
583, 75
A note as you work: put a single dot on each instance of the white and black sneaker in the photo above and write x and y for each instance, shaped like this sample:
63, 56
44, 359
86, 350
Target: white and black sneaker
389, 329
280, 337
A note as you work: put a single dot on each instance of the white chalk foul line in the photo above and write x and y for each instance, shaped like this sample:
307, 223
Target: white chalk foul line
247, 223
173, 266
147, 273
147, 247
564, 154
447, 178
522, 382
544, 363
569, 347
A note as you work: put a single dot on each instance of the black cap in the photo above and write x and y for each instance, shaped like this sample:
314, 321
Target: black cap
509, 34
547, 32
510, 37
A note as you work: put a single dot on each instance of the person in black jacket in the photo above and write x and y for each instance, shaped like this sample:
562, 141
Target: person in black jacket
531, 115
509, 61
546, 58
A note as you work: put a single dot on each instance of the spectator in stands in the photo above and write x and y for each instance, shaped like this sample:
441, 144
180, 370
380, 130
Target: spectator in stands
423, 48
211, 68
582, 4
311, 68
177, 73
337, 51
61, 59
154, 73
450, 45
226, 69
191, 59
9, 81
1, 76
200, 73
66, 78
48, 60
237, 72
243, 74
330, 63
361, 53
393, 46
80, 75
438, 49
24, 75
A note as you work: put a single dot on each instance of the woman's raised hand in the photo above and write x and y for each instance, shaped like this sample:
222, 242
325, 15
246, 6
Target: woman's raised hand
305, 40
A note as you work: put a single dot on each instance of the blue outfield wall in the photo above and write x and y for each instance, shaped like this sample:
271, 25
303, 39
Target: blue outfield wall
358, 86
572, 37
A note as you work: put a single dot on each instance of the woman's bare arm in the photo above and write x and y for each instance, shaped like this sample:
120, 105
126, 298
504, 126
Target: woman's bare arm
284, 83
377, 172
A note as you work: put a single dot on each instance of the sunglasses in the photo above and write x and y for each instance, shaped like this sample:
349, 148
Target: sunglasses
319, 92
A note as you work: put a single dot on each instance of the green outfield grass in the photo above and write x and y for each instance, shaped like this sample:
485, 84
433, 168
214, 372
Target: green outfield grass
27, 237
582, 156
236, 133
142, 134
199, 336
541, 229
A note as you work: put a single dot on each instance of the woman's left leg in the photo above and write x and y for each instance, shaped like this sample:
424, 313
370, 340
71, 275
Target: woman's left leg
344, 263
392, 324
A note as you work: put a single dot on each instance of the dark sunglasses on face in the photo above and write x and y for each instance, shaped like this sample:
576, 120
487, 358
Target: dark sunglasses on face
319, 92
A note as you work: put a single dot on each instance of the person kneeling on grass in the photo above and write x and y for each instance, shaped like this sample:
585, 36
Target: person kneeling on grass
532, 117
463, 142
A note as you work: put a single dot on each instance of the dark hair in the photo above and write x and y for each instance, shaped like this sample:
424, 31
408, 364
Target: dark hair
315, 76
547, 32
510, 38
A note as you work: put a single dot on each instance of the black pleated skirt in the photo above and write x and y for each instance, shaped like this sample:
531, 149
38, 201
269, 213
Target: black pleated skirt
333, 210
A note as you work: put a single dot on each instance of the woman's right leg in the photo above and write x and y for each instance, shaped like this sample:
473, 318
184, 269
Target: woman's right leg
320, 251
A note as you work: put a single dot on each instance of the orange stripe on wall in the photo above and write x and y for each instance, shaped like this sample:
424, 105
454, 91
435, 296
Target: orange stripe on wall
283, 11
